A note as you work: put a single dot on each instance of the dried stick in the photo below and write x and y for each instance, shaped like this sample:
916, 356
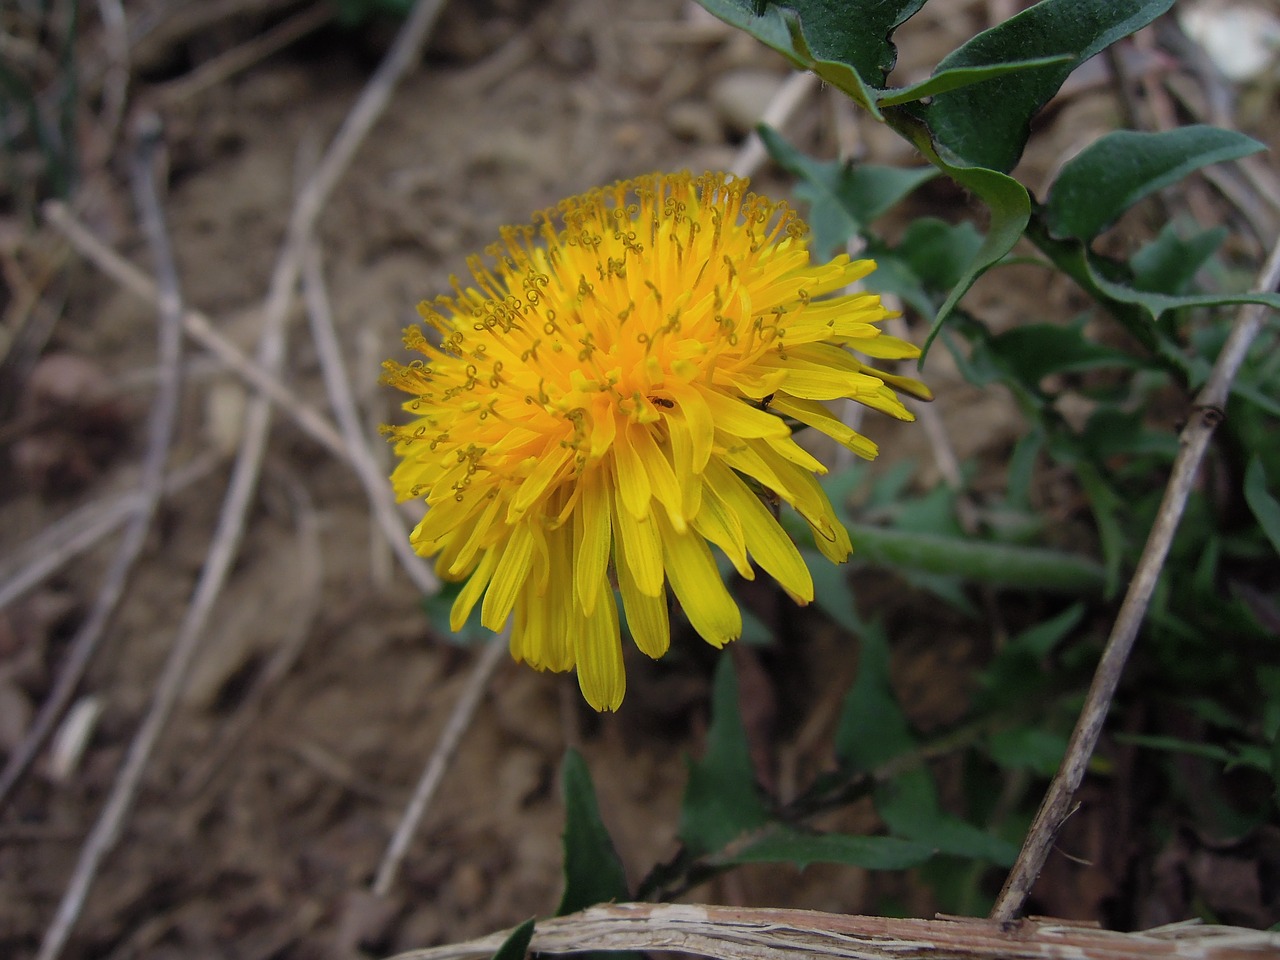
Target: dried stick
197, 326
222, 552
436, 766
381, 499
1209, 408
370, 105
745, 933
63, 541
784, 103
160, 430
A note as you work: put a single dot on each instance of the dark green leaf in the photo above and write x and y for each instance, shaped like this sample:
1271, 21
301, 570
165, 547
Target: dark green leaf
1115, 432
987, 124
939, 252
517, 944
1026, 748
1111, 175
872, 728
1168, 264
1265, 507
979, 562
958, 77
854, 33
843, 198
909, 805
1033, 351
1206, 751
721, 801
592, 872
801, 849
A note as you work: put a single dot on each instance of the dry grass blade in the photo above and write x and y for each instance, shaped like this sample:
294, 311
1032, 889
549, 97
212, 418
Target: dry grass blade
743, 933
161, 423
1208, 408
58, 544
381, 499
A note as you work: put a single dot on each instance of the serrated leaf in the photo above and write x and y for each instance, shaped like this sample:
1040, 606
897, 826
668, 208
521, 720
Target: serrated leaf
1265, 507
843, 198
592, 871
721, 801
517, 943
987, 124
801, 849
909, 806
1108, 177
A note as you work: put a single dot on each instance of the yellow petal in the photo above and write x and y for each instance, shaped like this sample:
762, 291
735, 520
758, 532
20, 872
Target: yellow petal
508, 577
662, 479
633, 481
722, 526
696, 414
646, 615
471, 591
598, 652
593, 536
765, 538
642, 550
820, 418
741, 419
696, 582
545, 471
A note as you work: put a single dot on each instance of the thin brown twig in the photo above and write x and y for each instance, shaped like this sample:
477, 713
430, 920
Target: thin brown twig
381, 498
198, 327
770, 933
63, 541
433, 773
1209, 408
160, 430
306, 210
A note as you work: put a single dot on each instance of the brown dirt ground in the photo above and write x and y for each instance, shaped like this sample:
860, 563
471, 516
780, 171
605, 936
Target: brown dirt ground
263, 845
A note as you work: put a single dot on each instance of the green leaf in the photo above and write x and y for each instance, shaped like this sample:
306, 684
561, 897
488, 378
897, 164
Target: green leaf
785, 845
1265, 507
592, 872
843, 198
997, 564
958, 77
872, 729
517, 944
1112, 174
1168, 264
987, 124
1034, 351
1207, 751
1026, 748
939, 252
721, 801
853, 33
909, 805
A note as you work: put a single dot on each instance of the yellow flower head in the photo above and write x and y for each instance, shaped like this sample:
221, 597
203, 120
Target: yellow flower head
610, 397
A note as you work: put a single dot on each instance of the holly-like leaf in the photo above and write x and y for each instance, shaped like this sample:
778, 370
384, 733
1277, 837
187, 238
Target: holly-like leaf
592, 872
987, 124
721, 801
1108, 177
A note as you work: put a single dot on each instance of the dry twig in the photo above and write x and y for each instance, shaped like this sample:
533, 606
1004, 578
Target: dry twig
381, 499
743, 933
1209, 409
434, 771
161, 423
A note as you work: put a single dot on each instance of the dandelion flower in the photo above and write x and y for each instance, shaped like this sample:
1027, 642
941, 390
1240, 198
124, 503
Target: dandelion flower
612, 396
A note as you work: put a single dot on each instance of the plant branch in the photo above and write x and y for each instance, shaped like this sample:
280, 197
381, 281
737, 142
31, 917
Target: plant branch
1209, 409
